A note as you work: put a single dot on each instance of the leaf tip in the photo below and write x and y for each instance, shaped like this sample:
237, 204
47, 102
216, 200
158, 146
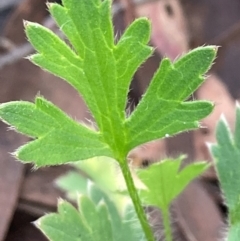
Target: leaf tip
223, 119
29, 57
101, 203
49, 5
26, 23
182, 157
237, 104
205, 165
37, 223
213, 47
145, 21
19, 154
60, 201
89, 186
209, 145
15, 154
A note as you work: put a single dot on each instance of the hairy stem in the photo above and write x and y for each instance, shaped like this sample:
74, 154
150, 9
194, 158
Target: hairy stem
167, 224
136, 201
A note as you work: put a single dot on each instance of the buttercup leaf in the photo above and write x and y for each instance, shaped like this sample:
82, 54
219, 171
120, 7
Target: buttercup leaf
101, 71
96, 219
50, 126
226, 154
164, 181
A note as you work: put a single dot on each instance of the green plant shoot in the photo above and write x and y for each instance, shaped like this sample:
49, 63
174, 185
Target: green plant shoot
101, 70
164, 182
159, 184
226, 154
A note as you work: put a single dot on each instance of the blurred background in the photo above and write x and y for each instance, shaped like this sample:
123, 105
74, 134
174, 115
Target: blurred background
177, 26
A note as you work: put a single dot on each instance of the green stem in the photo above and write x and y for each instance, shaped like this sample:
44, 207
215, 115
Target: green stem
136, 201
167, 224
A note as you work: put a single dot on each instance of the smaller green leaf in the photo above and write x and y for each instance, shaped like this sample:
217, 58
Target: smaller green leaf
226, 155
227, 158
96, 219
67, 224
164, 181
121, 211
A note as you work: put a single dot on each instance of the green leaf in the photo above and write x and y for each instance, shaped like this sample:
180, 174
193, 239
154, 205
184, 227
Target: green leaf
164, 181
124, 221
227, 158
67, 224
163, 100
97, 218
226, 155
55, 142
101, 71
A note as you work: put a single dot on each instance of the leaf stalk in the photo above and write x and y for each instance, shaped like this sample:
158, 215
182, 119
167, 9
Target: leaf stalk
167, 224
136, 200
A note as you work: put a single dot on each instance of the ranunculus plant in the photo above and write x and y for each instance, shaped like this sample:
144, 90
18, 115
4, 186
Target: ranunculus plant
101, 70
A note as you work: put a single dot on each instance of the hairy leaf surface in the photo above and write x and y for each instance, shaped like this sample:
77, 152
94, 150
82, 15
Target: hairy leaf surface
101, 70
227, 159
97, 218
164, 181
51, 126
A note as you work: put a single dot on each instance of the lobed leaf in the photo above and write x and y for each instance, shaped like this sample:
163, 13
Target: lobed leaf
101, 70
226, 155
67, 224
55, 142
162, 110
164, 181
97, 218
